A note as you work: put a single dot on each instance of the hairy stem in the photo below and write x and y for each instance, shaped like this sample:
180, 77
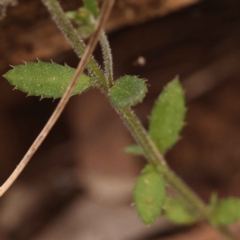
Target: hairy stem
153, 156
142, 138
107, 56
139, 133
106, 8
78, 45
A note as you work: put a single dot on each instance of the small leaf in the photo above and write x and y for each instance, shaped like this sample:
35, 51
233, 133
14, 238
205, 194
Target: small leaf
134, 149
226, 211
167, 116
48, 80
128, 91
84, 20
177, 211
149, 194
72, 15
92, 6
80, 17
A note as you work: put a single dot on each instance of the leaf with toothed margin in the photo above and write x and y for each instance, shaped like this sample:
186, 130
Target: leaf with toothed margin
149, 194
128, 91
47, 80
167, 116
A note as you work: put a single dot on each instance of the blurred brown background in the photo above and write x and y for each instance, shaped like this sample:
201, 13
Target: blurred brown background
79, 184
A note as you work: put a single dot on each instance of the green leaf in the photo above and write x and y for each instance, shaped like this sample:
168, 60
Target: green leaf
134, 149
167, 116
84, 21
47, 80
226, 211
72, 15
80, 17
177, 211
128, 91
92, 6
149, 194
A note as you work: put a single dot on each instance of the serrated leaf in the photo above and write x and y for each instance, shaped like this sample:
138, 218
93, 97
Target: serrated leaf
177, 211
167, 116
226, 211
128, 91
134, 149
92, 6
47, 80
149, 194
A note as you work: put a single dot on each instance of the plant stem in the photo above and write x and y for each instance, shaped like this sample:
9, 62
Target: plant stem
139, 133
141, 137
78, 45
153, 156
105, 11
108, 62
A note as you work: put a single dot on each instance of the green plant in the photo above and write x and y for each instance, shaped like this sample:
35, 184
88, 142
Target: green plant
47, 80
166, 120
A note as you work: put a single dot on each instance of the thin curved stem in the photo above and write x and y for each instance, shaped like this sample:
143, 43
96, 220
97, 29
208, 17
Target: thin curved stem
105, 11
